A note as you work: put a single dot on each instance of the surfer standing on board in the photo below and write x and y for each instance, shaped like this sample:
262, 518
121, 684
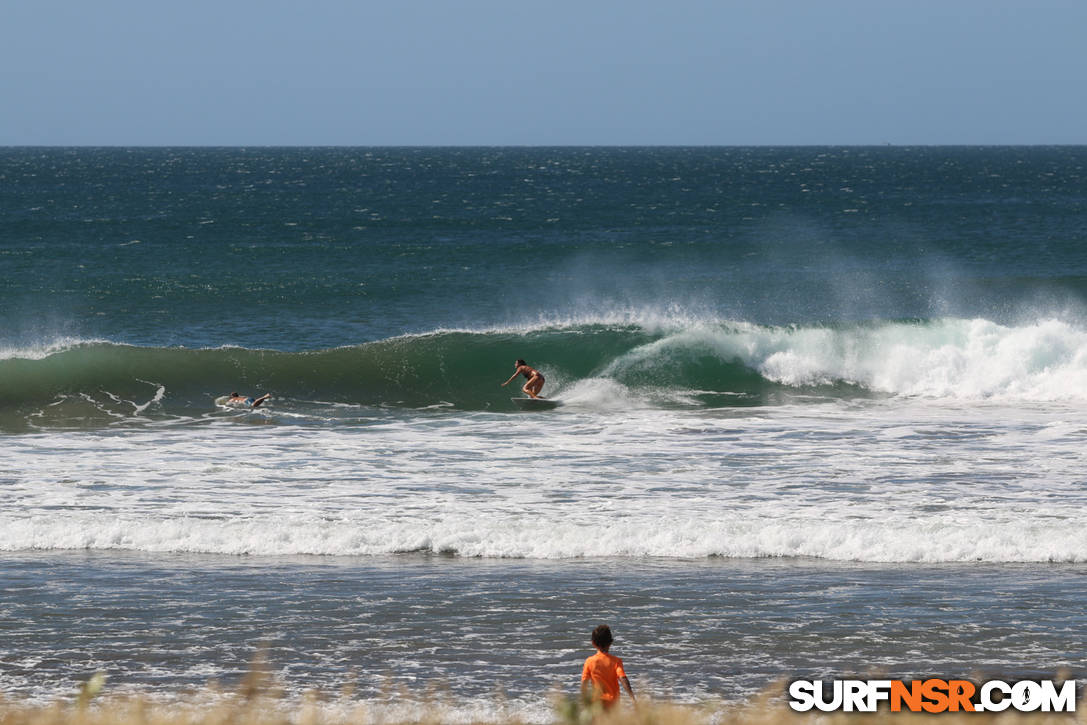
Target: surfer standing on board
535, 379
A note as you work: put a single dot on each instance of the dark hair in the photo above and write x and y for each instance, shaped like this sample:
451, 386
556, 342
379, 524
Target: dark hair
602, 637
235, 395
520, 362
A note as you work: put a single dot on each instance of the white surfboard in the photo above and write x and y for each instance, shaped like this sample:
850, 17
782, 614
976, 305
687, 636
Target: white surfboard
225, 402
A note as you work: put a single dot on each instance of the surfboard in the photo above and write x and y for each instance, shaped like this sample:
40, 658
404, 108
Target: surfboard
535, 403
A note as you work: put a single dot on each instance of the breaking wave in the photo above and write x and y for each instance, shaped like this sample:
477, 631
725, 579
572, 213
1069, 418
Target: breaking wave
711, 364
933, 539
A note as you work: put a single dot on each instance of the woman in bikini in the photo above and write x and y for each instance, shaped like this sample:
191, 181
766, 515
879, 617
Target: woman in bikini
535, 380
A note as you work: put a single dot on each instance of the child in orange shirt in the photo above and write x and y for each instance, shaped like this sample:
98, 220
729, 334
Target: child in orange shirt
603, 672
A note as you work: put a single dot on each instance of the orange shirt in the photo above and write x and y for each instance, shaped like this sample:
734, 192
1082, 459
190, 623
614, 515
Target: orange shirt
604, 670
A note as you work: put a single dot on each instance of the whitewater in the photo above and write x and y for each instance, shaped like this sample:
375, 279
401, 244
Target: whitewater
839, 482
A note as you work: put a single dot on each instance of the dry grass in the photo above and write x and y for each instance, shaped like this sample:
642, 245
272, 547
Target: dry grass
258, 703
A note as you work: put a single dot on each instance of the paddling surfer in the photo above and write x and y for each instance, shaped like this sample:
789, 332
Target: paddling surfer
535, 381
236, 399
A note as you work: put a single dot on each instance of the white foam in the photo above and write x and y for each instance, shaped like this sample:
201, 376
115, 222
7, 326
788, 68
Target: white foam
954, 359
44, 349
953, 538
882, 481
655, 320
603, 394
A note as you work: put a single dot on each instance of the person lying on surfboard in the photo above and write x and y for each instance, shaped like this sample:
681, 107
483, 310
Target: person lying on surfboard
252, 402
535, 379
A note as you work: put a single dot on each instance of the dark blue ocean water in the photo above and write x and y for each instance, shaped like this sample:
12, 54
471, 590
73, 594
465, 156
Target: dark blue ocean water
301, 249
821, 413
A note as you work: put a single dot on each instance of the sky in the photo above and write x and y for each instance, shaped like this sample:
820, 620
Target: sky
561, 72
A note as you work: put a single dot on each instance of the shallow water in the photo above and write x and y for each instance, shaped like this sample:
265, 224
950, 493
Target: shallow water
685, 628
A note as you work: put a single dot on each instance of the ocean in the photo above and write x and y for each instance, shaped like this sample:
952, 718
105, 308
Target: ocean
822, 415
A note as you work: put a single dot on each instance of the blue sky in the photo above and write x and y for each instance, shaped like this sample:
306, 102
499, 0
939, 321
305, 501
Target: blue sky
483, 72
